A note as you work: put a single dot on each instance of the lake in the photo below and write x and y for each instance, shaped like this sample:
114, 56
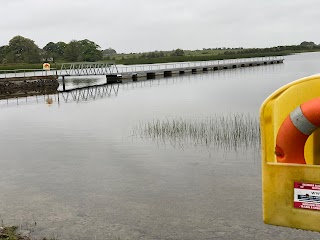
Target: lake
88, 167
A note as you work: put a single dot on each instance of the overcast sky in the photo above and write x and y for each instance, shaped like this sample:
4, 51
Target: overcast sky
147, 25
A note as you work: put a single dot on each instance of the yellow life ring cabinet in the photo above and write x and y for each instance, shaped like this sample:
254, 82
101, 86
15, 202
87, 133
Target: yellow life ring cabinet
290, 152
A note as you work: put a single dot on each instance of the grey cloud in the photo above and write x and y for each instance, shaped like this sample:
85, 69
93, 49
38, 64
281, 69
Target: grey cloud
142, 25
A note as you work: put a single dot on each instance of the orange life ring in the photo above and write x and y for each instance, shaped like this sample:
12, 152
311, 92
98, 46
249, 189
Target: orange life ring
295, 130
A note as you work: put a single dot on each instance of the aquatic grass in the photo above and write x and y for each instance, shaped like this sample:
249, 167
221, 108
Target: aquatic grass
231, 131
23, 231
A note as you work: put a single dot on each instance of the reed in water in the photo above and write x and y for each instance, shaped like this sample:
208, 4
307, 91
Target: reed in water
231, 131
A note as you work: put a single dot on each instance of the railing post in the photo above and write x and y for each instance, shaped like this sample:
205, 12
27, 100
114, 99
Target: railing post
63, 84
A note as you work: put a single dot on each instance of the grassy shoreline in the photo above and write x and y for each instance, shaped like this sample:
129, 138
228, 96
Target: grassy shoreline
133, 61
192, 58
187, 58
19, 66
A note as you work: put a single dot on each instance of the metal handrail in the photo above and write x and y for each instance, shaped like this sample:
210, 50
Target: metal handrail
82, 69
22, 72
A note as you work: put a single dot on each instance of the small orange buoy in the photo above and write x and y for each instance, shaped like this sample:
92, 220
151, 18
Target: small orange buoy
295, 130
49, 100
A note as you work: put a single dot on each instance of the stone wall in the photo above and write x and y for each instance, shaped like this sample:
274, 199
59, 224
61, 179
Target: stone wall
39, 85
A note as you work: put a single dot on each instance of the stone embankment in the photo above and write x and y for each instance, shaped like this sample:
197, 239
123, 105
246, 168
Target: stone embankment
35, 84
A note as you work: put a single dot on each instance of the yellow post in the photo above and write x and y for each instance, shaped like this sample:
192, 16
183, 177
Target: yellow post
283, 184
46, 66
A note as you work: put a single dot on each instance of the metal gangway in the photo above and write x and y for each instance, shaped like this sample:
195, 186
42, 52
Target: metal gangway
113, 70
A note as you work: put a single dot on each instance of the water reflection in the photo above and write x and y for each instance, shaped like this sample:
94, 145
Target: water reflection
75, 82
90, 93
92, 88
84, 81
200, 76
68, 167
144, 83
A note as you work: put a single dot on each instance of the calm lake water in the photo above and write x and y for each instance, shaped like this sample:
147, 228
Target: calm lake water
79, 169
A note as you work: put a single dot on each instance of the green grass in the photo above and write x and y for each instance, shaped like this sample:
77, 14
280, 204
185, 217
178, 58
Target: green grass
9, 233
132, 61
26, 66
204, 55
20, 66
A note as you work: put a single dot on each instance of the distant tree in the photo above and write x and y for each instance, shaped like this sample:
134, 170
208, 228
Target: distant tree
84, 50
22, 50
73, 51
155, 54
3, 52
177, 52
109, 51
54, 50
90, 51
50, 47
160, 54
307, 44
49, 52
60, 48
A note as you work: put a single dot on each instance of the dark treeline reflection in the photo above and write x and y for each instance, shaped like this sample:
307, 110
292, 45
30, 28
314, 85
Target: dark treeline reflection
233, 131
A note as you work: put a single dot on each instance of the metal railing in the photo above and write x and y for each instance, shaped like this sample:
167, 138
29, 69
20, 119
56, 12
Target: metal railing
26, 73
87, 69
134, 69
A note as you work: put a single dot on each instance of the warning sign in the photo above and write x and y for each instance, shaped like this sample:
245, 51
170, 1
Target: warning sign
307, 195
46, 66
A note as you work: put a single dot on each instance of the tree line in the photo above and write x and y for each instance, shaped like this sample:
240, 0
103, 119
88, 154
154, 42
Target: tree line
24, 50
159, 54
304, 46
